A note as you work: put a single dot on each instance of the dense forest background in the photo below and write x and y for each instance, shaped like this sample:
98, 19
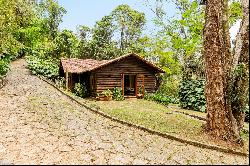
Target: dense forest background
30, 29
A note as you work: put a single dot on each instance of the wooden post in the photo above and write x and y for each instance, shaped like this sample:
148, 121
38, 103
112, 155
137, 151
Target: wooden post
143, 89
136, 89
122, 83
91, 82
67, 80
95, 81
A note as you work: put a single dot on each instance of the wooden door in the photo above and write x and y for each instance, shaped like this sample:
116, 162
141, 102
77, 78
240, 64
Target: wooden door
140, 90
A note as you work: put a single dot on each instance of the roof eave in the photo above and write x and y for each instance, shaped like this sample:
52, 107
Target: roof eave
156, 68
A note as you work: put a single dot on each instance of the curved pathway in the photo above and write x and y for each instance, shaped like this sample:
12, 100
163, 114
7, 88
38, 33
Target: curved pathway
39, 125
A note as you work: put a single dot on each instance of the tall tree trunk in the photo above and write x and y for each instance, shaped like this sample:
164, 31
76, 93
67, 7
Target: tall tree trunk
219, 114
224, 114
240, 68
122, 38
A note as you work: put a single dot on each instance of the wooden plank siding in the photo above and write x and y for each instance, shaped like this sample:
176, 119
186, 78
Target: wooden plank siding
109, 76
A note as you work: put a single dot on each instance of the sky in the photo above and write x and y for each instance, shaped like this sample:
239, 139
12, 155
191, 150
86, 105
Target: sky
87, 12
234, 30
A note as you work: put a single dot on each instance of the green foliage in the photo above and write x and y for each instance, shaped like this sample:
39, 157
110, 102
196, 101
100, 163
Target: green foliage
52, 14
115, 34
179, 39
107, 93
140, 89
158, 97
60, 82
66, 44
246, 110
27, 28
15, 16
48, 68
84, 46
178, 44
128, 26
235, 12
191, 94
84, 32
238, 72
80, 90
117, 94
170, 88
102, 46
4, 66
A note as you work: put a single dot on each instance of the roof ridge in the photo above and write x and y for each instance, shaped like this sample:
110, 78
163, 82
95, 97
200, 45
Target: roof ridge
130, 54
94, 64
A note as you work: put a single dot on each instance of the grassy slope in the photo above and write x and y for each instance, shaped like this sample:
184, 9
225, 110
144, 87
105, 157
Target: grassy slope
158, 117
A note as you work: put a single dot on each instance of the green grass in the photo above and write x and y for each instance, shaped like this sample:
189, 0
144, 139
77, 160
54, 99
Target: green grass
151, 115
160, 118
154, 116
191, 112
197, 113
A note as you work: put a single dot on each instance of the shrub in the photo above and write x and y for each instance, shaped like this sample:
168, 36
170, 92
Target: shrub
171, 99
107, 93
4, 64
45, 67
246, 110
60, 82
191, 94
170, 88
117, 94
158, 97
4, 67
80, 90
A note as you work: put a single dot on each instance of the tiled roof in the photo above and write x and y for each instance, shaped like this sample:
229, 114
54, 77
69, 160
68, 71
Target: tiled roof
74, 65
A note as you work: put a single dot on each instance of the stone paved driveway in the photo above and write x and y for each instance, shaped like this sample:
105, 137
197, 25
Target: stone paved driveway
38, 125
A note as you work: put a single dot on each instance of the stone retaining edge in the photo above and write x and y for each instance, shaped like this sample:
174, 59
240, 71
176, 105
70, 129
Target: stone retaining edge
194, 143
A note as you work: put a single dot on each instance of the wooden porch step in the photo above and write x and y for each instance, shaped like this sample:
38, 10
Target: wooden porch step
126, 97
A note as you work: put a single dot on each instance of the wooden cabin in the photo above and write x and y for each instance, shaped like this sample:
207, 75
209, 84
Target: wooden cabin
130, 72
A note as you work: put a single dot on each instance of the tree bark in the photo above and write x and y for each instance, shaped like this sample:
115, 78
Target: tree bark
244, 28
122, 37
225, 91
240, 68
219, 121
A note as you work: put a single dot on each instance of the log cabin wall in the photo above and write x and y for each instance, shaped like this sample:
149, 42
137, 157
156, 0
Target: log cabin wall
109, 76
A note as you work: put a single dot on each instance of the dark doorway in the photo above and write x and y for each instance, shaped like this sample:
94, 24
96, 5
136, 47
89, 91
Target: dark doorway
129, 85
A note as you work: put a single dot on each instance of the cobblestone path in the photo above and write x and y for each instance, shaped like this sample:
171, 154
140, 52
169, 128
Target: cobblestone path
38, 125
